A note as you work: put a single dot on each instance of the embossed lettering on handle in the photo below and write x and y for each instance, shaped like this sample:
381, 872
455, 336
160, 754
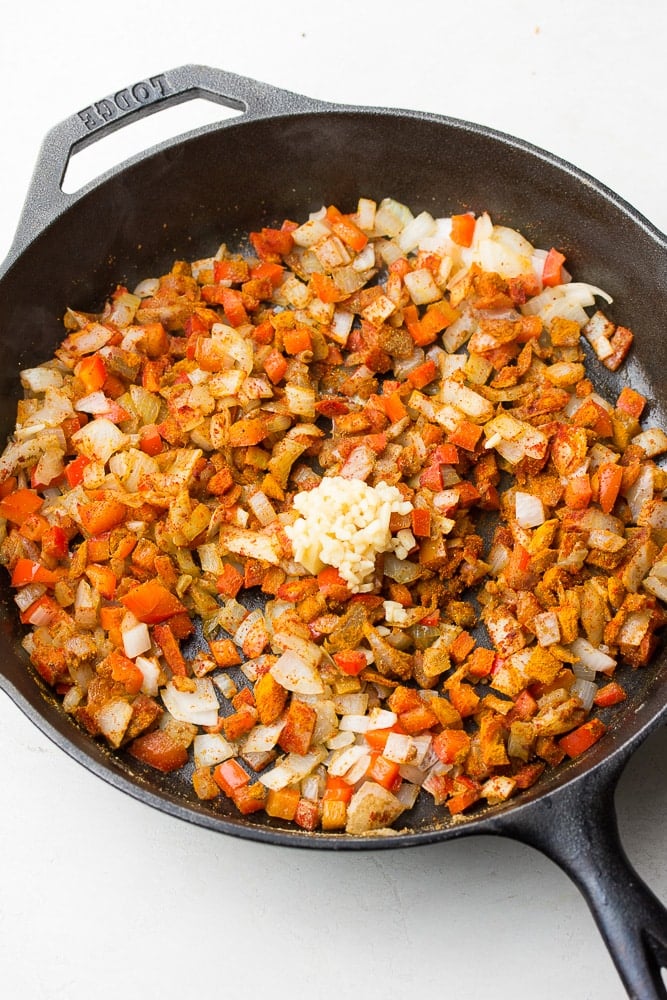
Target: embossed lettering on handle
128, 99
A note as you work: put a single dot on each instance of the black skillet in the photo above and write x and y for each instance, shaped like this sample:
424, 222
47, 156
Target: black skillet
285, 155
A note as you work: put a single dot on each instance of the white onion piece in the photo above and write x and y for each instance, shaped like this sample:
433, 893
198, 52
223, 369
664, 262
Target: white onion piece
342, 739
99, 439
262, 738
94, 402
296, 675
136, 640
28, 595
211, 749
529, 510
199, 706
399, 748
585, 691
418, 229
246, 626
38, 380
150, 670
293, 768
381, 718
354, 724
343, 760
341, 325
147, 288
113, 719
354, 703
641, 491
407, 794
592, 657
225, 683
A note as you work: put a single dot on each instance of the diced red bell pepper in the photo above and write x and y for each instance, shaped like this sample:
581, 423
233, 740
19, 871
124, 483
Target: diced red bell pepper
610, 694
452, 745
75, 469
332, 584
463, 229
159, 750
393, 407
337, 789
92, 371
552, 270
236, 271
150, 441
272, 244
437, 317
28, 571
229, 581
103, 580
125, 672
423, 374
326, 289
466, 435
170, 649
232, 303
431, 477
298, 731
421, 522
267, 269
347, 230
418, 719
610, 478
307, 814
54, 542
152, 603
578, 491
34, 527
99, 516
230, 776
298, 339
19, 505
250, 798
350, 661
631, 402
464, 799
382, 771
275, 366
580, 739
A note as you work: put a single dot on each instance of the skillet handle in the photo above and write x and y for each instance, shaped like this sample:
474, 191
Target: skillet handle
46, 200
576, 827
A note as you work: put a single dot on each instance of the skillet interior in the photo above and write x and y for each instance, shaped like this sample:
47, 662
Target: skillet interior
183, 201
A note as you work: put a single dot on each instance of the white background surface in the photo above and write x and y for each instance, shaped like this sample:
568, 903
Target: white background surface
102, 896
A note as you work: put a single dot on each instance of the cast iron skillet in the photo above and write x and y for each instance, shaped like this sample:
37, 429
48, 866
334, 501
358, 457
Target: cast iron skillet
283, 156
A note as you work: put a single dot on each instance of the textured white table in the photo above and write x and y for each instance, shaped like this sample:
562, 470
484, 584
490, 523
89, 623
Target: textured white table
102, 896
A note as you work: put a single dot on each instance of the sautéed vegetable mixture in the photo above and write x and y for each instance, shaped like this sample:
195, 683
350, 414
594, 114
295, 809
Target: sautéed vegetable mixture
367, 459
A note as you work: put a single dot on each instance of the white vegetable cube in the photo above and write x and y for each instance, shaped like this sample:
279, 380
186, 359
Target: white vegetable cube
136, 640
547, 628
529, 510
421, 286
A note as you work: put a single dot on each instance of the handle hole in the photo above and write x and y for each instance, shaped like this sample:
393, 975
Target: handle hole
89, 162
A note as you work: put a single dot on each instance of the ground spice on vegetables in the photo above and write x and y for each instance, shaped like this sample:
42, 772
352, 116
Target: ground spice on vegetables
328, 419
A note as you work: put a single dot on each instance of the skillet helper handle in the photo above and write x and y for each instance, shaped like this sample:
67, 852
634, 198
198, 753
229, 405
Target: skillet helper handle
46, 200
577, 828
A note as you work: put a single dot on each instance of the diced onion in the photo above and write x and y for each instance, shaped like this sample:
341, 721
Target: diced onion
592, 657
529, 510
199, 706
296, 675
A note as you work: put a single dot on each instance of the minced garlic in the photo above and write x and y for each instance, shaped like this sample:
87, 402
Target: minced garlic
345, 523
